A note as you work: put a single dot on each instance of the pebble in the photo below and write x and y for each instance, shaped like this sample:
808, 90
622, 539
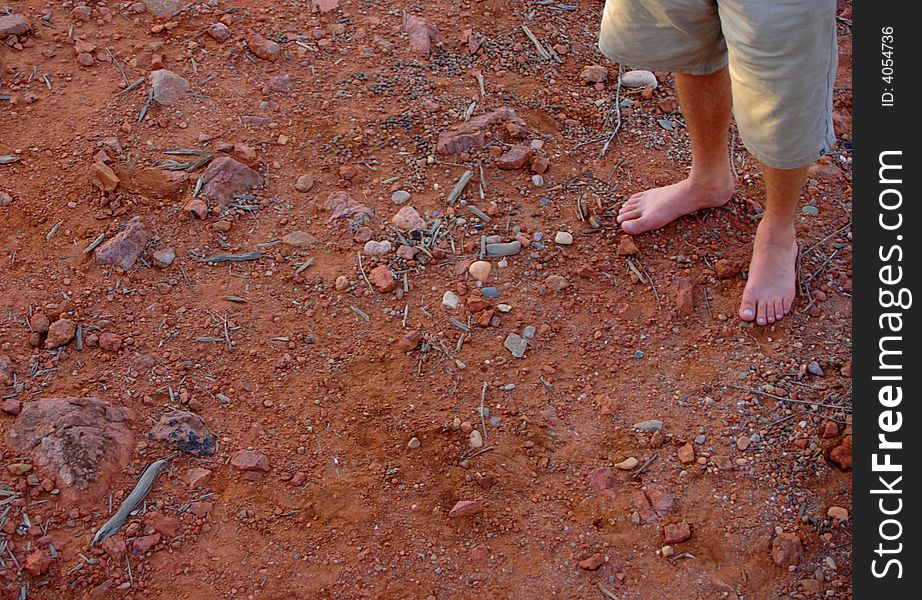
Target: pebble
5, 199
667, 551
503, 308
164, 257
490, 292
516, 344
537, 180
742, 443
400, 196
564, 238
250, 460
59, 333
529, 332
466, 508
299, 239
787, 550
592, 563
627, 464
480, 270
556, 282
514, 158
375, 248
810, 210
304, 183
675, 533
168, 87
475, 439
627, 247
414, 443
594, 74
504, 249
838, 513
686, 454
638, 78
450, 300
649, 425
814, 368
408, 219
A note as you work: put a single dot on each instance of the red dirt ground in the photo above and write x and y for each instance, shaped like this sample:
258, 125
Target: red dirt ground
348, 510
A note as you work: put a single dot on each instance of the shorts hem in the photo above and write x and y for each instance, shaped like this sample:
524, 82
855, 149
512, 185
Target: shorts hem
791, 163
665, 65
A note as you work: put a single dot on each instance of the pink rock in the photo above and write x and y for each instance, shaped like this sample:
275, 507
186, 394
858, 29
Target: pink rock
408, 219
601, 479
787, 550
38, 562
80, 443
660, 500
225, 178
250, 460
6, 370
592, 563
11, 406
726, 268
280, 84
115, 546
13, 25
169, 88
103, 177
110, 342
219, 32
594, 74
59, 333
627, 247
421, 34
342, 205
466, 508
514, 158
675, 533
166, 525
684, 297
124, 249
144, 544
198, 477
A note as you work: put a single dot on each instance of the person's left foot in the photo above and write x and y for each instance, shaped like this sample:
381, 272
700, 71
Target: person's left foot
770, 289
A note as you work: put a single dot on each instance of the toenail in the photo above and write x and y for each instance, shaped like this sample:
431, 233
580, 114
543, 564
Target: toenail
747, 313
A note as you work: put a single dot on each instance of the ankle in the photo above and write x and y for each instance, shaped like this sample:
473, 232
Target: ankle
715, 178
776, 231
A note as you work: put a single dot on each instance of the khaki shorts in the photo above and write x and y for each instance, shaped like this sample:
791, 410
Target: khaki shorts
782, 57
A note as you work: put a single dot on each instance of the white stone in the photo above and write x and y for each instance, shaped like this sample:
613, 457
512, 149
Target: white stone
638, 79
564, 238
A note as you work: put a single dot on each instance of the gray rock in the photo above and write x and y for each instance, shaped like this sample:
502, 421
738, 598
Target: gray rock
504, 249
169, 88
650, 425
450, 300
400, 196
516, 344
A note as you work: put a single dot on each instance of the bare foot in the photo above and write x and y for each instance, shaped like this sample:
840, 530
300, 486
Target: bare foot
770, 289
655, 208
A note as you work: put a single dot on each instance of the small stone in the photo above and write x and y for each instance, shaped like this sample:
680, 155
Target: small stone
726, 268
667, 551
198, 477
376, 248
410, 341
480, 270
846, 370
814, 368
19, 469
514, 158
103, 177
626, 246
450, 300
684, 297
504, 249
382, 279
592, 563
169, 88
627, 464
11, 406
38, 562
676, 532
61, 332
414, 443
304, 183
342, 205
164, 257
564, 238
263, 48
110, 342
125, 248
421, 35
601, 479
475, 439
143, 544
787, 550
250, 460
14, 24
838, 513
556, 283
400, 196
5, 199
638, 78
594, 74
408, 219
649, 425
841, 455
466, 508
219, 32
540, 164
299, 239
516, 345
40, 323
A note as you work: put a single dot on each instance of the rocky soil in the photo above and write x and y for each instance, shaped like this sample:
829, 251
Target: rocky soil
353, 269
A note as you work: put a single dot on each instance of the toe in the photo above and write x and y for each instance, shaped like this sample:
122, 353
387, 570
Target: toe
761, 319
636, 226
629, 215
747, 309
786, 304
779, 309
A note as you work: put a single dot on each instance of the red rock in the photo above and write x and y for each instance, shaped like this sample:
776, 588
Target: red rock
263, 48
143, 544
6, 370
594, 74
626, 246
846, 370
299, 239
250, 460
787, 550
103, 177
471, 135
601, 479
196, 207
124, 249
342, 205
592, 563
514, 158
38, 563
480, 553
60, 332
539, 164
829, 430
225, 178
245, 154
166, 525
686, 454
406, 252
298, 479
408, 219
168, 87
324, 6
421, 34
40, 323
304, 183
726, 268
80, 443
198, 477
219, 32
841, 455
382, 278
280, 84
152, 183
466, 508
684, 297
675, 533
201, 509
110, 342
556, 283
409, 342
184, 431
11, 406
115, 546
13, 25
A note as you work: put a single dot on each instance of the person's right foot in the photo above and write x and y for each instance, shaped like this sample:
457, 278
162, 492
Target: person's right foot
652, 209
